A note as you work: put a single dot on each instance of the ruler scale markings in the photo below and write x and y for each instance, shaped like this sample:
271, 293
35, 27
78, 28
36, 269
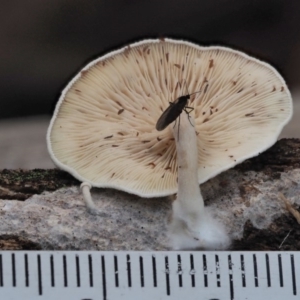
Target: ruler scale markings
13, 266
192, 271
52, 270
65, 270
268, 270
218, 276
128, 270
103, 277
154, 271
263, 274
243, 272
91, 270
280, 270
255, 270
1, 271
116, 271
26, 270
179, 270
230, 277
39, 265
167, 271
142, 271
293, 275
78, 281
205, 270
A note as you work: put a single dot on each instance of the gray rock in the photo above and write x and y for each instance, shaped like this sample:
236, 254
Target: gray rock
58, 220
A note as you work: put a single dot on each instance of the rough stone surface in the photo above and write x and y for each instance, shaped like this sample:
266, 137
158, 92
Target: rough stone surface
245, 199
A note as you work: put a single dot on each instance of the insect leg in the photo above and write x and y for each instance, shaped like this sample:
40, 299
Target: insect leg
175, 123
178, 126
188, 110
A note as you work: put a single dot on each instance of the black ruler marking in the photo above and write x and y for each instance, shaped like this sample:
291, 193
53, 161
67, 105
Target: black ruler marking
77, 259
280, 270
179, 270
91, 270
52, 270
154, 271
116, 271
205, 270
65, 270
192, 272
268, 270
142, 271
13, 266
128, 270
103, 277
230, 277
255, 271
167, 271
218, 270
26, 270
1, 271
293, 275
39, 265
243, 271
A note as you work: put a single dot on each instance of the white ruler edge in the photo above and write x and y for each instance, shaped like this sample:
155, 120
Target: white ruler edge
110, 275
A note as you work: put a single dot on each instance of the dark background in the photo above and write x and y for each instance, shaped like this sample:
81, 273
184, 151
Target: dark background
44, 43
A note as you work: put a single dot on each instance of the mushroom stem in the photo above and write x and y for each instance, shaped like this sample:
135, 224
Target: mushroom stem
86, 192
192, 225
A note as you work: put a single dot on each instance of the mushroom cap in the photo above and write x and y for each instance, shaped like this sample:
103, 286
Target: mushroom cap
103, 128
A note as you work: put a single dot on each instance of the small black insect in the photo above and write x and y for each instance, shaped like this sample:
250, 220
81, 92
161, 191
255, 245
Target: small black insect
174, 111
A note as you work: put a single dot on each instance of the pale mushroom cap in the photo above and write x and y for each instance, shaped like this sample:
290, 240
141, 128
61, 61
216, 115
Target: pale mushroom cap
103, 129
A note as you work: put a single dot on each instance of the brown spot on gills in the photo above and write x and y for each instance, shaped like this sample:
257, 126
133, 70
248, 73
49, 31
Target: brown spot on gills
177, 66
113, 174
205, 89
211, 63
249, 115
144, 142
282, 89
167, 57
168, 168
120, 133
115, 145
108, 137
152, 164
240, 90
274, 89
120, 111
158, 138
182, 68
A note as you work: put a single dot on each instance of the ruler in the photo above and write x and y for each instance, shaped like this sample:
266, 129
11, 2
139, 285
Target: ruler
94, 275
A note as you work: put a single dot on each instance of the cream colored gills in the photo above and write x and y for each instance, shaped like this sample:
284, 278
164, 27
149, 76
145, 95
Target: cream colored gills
103, 129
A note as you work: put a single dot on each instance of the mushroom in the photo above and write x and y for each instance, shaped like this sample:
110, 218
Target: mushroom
103, 128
